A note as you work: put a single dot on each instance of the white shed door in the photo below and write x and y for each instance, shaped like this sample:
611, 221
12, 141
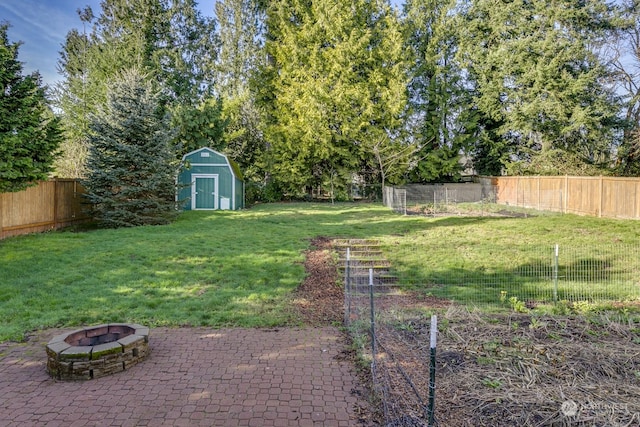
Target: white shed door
204, 192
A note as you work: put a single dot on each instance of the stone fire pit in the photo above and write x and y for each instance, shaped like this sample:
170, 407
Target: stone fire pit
97, 351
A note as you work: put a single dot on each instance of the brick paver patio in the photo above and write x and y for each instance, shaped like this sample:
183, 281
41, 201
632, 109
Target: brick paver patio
193, 377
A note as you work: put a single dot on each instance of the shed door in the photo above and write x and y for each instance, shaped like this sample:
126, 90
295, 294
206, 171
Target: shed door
205, 192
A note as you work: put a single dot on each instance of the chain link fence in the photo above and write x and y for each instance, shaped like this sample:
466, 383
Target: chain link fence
436, 199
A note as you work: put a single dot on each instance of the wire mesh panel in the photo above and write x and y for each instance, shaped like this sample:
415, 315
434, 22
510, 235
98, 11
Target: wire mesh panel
386, 313
399, 377
602, 273
395, 199
372, 295
534, 275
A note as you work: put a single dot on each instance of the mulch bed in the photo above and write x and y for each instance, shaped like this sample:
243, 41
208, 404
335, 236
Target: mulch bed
503, 370
319, 300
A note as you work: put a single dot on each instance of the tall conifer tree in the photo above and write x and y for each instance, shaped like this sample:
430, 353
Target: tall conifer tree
76, 96
627, 65
439, 119
536, 73
241, 31
333, 88
131, 164
29, 132
169, 40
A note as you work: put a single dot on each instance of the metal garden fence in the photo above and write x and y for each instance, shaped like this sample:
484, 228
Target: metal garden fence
381, 309
605, 197
537, 275
435, 199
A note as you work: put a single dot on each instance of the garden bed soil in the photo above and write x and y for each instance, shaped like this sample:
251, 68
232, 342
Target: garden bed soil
504, 370
493, 369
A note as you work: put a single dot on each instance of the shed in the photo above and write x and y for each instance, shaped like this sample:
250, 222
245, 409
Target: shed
210, 180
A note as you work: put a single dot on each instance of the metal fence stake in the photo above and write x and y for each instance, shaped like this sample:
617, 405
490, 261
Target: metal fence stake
373, 322
555, 274
432, 370
347, 288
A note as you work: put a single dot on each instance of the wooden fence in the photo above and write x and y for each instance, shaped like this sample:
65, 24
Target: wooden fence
47, 206
605, 197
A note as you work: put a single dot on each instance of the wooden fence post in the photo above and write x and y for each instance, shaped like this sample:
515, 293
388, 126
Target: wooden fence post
565, 195
601, 198
55, 203
1, 210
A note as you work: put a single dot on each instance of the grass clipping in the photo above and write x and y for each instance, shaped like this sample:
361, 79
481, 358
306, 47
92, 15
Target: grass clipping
507, 370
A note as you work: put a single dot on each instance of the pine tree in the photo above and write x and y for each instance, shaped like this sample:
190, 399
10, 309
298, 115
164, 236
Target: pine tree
29, 132
131, 164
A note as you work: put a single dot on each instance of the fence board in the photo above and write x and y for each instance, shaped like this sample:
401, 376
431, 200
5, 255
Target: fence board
31, 206
608, 197
69, 205
49, 205
583, 197
619, 198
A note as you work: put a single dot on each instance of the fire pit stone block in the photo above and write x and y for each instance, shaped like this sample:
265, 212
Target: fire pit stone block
97, 351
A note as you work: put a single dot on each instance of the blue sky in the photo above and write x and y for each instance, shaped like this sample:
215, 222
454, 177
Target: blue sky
43, 24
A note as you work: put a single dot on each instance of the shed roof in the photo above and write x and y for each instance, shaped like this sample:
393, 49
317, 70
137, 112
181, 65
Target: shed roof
235, 169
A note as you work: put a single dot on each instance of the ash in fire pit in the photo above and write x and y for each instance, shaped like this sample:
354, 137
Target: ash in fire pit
97, 351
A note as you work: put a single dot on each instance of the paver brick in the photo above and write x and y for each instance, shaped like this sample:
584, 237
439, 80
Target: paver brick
192, 376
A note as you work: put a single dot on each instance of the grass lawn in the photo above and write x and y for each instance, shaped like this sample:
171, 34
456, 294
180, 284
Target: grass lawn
475, 259
240, 268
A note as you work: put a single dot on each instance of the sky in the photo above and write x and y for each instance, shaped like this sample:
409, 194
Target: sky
41, 25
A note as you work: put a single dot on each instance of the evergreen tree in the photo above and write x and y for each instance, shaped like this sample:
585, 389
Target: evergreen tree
76, 97
199, 125
241, 32
29, 132
627, 65
169, 40
533, 65
490, 152
333, 88
438, 118
131, 164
